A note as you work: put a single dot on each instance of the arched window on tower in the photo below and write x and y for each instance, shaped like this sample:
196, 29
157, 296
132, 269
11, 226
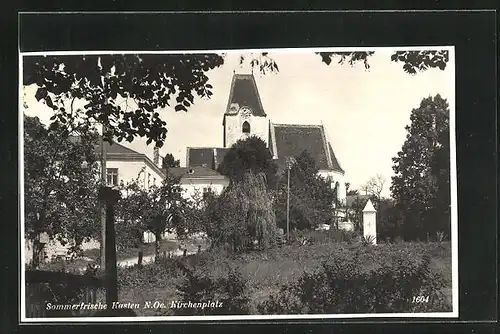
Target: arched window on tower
246, 127
337, 191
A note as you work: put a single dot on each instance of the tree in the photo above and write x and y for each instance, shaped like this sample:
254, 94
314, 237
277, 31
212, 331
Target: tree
132, 215
242, 214
420, 186
413, 61
311, 197
388, 222
196, 212
169, 161
60, 185
374, 186
126, 92
165, 209
249, 155
154, 209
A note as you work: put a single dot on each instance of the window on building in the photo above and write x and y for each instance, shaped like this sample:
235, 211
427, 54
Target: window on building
246, 127
111, 177
149, 180
154, 181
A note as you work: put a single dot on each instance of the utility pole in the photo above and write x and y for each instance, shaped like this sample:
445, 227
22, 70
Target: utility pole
103, 207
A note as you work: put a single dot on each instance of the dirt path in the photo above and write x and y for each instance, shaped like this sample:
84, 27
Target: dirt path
132, 261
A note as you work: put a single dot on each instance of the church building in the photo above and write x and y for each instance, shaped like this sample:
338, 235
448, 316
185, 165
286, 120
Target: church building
245, 116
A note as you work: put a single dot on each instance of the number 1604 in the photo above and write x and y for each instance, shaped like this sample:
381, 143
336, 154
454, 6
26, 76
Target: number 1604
420, 299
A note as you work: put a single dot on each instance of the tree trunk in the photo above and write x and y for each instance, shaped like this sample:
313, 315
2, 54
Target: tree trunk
140, 255
36, 254
157, 244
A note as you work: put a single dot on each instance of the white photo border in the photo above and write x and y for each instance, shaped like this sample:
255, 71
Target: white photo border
453, 185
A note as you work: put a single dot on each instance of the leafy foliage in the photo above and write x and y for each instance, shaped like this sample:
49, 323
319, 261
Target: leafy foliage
374, 186
243, 213
266, 272
169, 161
421, 185
230, 289
131, 213
311, 197
421, 60
262, 61
250, 154
342, 285
60, 191
123, 92
156, 209
413, 61
196, 213
321, 236
349, 57
388, 221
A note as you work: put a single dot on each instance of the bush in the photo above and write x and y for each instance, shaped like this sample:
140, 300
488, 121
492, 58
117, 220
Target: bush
344, 285
157, 275
228, 291
322, 236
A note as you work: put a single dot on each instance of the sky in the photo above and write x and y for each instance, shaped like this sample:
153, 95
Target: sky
364, 112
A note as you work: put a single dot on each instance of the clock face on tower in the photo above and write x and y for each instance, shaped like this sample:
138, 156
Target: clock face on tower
245, 112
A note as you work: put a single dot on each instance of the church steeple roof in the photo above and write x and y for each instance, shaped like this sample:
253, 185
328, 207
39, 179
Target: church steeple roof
244, 92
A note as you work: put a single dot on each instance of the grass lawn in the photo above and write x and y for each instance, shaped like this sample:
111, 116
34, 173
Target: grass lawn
266, 272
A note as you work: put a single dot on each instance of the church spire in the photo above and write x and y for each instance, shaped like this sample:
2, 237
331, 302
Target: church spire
244, 93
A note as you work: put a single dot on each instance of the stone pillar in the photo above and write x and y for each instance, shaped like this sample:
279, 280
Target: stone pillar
370, 222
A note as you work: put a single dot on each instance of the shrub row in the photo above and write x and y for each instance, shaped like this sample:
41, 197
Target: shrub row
344, 285
343, 279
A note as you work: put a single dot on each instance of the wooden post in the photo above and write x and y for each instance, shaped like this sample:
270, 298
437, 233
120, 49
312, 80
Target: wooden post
110, 197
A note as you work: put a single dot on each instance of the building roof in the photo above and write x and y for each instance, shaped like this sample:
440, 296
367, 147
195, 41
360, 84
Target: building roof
117, 151
116, 148
194, 173
289, 140
244, 92
335, 162
220, 153
207, 157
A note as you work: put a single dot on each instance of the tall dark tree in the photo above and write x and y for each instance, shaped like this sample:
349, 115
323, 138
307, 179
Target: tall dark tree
249, 155
60, 185
242, 214
311, 197
169, 161
421, 186
125, 93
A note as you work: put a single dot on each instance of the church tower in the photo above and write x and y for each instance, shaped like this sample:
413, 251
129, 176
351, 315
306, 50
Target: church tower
244, 115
